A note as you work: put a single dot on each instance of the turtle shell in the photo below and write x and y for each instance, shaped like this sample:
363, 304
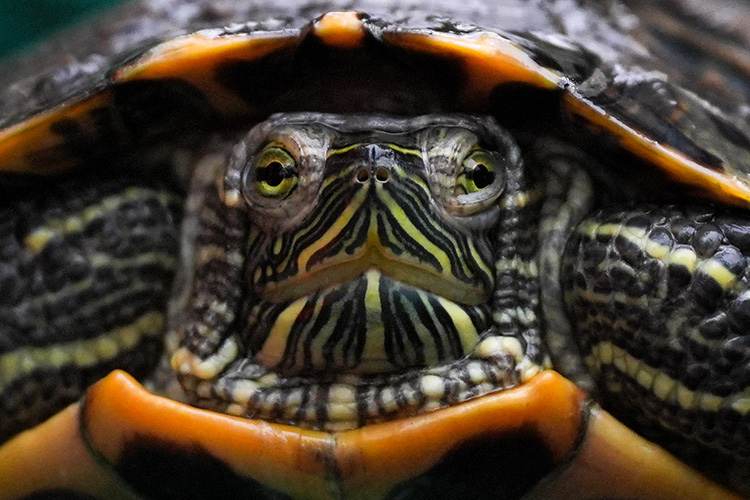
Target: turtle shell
165, 73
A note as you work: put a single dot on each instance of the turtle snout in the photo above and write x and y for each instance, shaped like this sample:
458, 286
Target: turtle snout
378, 161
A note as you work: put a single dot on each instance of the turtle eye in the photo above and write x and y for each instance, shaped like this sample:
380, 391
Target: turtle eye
478, 171
275, 173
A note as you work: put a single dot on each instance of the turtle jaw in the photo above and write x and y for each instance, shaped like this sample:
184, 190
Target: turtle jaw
365, 326
357, 352
314, 379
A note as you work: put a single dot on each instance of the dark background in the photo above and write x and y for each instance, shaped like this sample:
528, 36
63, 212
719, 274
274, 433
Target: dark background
25, 22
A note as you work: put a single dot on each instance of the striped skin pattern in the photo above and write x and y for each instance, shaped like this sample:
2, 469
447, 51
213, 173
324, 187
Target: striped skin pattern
385, 226
660, 300
86, 271
370, 280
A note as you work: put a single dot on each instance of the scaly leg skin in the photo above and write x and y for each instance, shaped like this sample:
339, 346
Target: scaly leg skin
659, 299
85, 272
568, 199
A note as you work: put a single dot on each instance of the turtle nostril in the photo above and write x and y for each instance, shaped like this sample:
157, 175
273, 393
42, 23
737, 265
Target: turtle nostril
363, 175
382, 174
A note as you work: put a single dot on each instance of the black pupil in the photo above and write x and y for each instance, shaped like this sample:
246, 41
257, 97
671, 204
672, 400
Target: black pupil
482, 176
274, 173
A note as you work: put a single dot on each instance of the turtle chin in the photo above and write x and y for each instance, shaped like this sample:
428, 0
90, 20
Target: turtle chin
369, 325
366, 350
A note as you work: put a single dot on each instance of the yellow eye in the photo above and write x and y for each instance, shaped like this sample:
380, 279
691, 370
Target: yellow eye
477, 172
275, 173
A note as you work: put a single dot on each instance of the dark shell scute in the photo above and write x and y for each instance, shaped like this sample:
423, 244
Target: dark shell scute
675, 118
558, 54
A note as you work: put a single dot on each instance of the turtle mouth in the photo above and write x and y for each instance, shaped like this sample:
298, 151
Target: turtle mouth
373, 257
356, 353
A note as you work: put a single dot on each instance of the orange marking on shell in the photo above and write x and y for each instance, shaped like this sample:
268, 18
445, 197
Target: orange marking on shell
52, 456
615, 462
303, 462
195, 59
488, 60
703, 180
374, 458
31, 147
282, 457
343, 30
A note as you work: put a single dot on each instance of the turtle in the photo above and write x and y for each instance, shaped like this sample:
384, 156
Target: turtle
330, 250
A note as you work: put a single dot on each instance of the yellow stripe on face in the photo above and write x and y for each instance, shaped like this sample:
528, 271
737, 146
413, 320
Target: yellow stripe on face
447, 274
395, 147
345, 149
349, 212
346, 172
408, 226
373, 357
464, 326
275, 344
405, 151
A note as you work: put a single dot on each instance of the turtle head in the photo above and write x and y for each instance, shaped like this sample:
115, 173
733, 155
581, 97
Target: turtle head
365, 252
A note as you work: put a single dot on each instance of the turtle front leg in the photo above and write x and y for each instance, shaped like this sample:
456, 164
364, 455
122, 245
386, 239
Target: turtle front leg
86, 266
659, 301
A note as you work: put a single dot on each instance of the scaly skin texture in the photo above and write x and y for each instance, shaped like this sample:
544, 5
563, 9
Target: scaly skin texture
86, 271
659, 300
